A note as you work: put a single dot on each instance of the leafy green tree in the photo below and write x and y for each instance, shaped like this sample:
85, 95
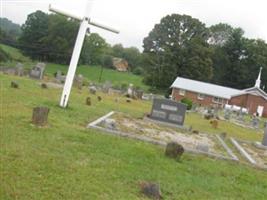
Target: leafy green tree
133, 57
177, 46
12, 31
118, 51
60, 39
234, 72
93, 49
33, 31
219, 34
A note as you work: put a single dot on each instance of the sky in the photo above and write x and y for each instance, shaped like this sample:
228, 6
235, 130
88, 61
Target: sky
136, 18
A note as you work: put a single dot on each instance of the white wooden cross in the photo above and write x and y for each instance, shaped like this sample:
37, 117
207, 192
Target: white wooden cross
84, 26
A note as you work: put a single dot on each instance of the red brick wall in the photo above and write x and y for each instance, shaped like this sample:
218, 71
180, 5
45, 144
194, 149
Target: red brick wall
207, 101
251, 102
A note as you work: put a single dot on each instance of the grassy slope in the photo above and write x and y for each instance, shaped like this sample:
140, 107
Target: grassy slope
67, 161
15, 54
91, 73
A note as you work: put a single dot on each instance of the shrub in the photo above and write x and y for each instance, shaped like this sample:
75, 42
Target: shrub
188, 103
138, 71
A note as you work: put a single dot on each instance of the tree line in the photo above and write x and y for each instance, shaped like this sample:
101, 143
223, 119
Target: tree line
177, 46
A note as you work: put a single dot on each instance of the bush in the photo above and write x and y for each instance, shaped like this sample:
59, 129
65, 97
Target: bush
138, 71
188, 103
107, 61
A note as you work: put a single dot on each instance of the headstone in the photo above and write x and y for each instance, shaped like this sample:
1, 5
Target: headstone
99, 98
78, 81
60, 78
138, 94
240, 117
130, 91
214, 123
88, 101
216, 111
265, 124
112, 91
202, 147
227, 114
264, 140
40, 115
19, 69
169, 111
151, 190
9, 70
37, 71
44, 86
174, 150
14, 84
255, 122
106, 86
92, 90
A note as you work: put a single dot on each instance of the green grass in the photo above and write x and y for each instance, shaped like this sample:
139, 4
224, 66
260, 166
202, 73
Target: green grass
67, 161
199, 123
16, 55
91, 73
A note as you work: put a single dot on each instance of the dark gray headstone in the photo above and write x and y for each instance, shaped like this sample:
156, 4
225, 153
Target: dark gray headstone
169, 111
264, 140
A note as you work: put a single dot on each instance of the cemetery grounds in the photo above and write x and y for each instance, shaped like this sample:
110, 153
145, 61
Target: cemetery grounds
66, 160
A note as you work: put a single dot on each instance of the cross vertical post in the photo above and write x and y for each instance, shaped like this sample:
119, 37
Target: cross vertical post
84, 26
73, 63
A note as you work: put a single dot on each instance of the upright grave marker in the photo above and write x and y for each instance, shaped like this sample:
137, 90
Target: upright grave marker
37, 71
84, 27
168, 111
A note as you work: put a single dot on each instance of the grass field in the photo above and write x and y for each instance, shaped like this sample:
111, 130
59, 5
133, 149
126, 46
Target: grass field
67, 161
90, 73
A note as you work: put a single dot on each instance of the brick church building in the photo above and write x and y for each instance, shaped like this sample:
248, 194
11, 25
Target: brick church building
254, 99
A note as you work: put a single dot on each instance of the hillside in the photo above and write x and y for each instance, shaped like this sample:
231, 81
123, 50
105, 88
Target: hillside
13, 30
67, 161
91, 73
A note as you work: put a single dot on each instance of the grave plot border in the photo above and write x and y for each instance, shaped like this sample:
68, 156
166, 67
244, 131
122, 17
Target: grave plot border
94, 125
244, 153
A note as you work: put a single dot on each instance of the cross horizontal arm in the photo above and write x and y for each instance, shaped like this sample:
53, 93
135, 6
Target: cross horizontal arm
103, 26
56, 10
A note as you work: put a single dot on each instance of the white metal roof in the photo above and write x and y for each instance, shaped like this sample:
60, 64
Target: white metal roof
204, 88
254, 91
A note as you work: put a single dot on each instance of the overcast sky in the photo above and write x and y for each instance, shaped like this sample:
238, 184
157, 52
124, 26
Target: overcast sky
136, 18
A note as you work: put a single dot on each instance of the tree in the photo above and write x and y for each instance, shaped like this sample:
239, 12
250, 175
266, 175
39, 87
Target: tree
33, 31
93, 49
219, 34
60, 39
177, 46
133, 57
11, 30
234, 72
